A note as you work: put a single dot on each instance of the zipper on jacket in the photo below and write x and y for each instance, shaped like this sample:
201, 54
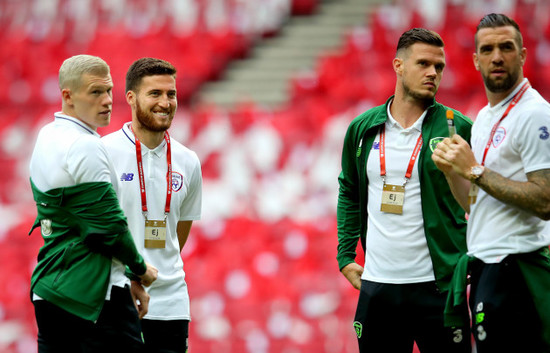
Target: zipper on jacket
358, 153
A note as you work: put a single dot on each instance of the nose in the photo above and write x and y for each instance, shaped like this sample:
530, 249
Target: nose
108, 99
497, 56
432, 71
164, 101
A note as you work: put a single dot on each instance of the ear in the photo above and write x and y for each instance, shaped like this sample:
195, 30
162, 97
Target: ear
523, 55
66, 95
476, 62
131, 98
398, 65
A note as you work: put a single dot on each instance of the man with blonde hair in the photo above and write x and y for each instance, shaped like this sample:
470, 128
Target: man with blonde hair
79, 289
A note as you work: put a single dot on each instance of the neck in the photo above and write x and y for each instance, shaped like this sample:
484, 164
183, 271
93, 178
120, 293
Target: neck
406, 111
495, 98
70, 112
149, 138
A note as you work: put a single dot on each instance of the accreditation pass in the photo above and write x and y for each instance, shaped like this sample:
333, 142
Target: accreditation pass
155, 234
393, 198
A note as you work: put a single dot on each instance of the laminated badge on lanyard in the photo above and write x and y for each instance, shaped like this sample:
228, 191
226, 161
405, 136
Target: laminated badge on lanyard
393, 196
155, 230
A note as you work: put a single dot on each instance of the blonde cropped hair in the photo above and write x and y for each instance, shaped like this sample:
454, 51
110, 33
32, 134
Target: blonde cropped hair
72, 69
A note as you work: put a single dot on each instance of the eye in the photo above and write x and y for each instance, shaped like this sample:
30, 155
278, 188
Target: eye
485, 49
507, 46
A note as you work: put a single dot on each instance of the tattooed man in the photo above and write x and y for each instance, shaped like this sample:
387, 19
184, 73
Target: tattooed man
505, 187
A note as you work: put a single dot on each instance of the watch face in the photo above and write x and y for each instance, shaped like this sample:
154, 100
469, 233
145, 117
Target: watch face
477, 170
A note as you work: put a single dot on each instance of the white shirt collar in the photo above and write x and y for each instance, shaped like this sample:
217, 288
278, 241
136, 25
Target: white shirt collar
507, 100
158, 151
416, 126
67, 120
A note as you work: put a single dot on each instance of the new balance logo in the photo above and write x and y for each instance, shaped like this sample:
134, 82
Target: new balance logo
127, 177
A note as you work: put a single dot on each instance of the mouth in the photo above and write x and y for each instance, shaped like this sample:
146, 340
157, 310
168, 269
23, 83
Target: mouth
498, 72
429, 84
105, 112
162, 114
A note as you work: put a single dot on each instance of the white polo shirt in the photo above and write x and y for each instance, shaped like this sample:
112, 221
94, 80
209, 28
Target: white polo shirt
520, 145
397, 250
68, 153
169, 295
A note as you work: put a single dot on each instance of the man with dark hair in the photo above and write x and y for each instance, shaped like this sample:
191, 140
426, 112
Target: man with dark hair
398, 203
160, 192
79, 288
494, 20
506, 174
147, 67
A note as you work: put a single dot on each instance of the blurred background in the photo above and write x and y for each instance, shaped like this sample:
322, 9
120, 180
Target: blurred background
266, 90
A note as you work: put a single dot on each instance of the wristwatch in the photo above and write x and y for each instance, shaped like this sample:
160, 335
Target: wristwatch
476, 172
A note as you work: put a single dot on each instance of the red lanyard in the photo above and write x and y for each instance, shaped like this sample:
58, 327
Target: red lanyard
415, 153
515, 100
142, 176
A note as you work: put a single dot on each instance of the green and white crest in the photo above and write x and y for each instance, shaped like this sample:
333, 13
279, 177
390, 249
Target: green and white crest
434, 142
46, 227
358, 328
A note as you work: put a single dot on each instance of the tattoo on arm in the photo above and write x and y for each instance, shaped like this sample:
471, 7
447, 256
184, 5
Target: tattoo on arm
532, 196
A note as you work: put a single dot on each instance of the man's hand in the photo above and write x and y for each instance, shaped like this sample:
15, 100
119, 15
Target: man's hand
438, 156
447, 153
140, 297
353, 273
454, 154
149, 276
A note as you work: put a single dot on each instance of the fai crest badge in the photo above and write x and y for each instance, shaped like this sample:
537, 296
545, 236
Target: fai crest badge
434, 142
46, 227
358, 328
177, 181
499, 136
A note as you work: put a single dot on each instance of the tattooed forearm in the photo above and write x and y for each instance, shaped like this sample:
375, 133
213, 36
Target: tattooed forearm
532, 196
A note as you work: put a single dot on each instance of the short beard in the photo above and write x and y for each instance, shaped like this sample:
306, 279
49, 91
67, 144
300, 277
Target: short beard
148, 121
500, 86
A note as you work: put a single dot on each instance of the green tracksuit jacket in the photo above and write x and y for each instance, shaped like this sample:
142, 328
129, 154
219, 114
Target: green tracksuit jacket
444, 219
83, 228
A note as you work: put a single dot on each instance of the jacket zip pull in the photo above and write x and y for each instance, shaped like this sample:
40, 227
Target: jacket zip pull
359, 148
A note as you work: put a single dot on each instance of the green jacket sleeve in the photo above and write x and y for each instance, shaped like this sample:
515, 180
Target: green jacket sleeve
91, 213
107, 232
347, 213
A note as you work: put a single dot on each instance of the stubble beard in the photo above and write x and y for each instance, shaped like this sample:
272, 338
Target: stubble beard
425, 98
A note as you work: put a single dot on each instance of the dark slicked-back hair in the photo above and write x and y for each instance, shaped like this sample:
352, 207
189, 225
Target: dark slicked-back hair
418, 35
147, 67
494, 20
